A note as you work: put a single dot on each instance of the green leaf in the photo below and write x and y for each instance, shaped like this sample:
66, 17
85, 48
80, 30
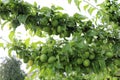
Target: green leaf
95, 1
117, 73
102, 64
2, 26
92, 33
95, 66
86, 6
1, 45
77, 3
11, 35
69, 1
22, 18
35, 44
45, 9
67, 49
59, 8
35, 4
10, 51
90, 10
27, 42
0, 20
79, 16
82, 17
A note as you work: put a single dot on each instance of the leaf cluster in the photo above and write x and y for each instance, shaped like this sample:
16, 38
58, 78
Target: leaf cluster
10, 70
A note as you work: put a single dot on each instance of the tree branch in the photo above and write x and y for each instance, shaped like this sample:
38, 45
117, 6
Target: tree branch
91, 4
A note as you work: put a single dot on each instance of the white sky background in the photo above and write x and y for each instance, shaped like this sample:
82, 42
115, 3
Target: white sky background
68, 8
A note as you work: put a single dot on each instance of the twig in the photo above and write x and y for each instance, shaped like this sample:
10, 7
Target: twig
4, 40
91, 4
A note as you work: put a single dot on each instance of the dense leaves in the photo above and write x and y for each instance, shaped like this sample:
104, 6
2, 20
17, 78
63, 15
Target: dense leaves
10, 70
92, 51
112, 8
50, 20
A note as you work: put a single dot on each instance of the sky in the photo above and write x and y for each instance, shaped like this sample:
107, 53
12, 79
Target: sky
68, 8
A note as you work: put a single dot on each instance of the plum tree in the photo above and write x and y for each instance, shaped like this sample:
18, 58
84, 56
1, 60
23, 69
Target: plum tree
85, 49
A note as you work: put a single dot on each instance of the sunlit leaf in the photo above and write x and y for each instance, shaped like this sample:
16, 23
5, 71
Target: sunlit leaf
59, 8
10, 51
95, 1
35, 4
69, 1
77, 3
27, 42
82, 17
1, 45
35, 44
117, 73
11, 35
90, 10
2, 26
86, 6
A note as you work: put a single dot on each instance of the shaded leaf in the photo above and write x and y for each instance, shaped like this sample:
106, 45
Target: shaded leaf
95, 66
102, 64
22, 18
67, 48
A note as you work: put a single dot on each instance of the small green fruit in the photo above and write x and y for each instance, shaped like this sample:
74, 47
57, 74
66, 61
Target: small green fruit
92, 56
86, 63
51, 59
43, 58
86, 55
109, 54
79, 61
47, 29
54, 23
59, 29
30, 62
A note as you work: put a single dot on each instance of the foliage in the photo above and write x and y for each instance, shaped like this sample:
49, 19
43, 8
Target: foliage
92, 53
10, 70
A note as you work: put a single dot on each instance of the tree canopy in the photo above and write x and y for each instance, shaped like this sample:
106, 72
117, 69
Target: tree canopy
92, 52
10, 70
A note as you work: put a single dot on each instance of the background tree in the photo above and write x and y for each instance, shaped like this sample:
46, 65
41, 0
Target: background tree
10, 70
85, 50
